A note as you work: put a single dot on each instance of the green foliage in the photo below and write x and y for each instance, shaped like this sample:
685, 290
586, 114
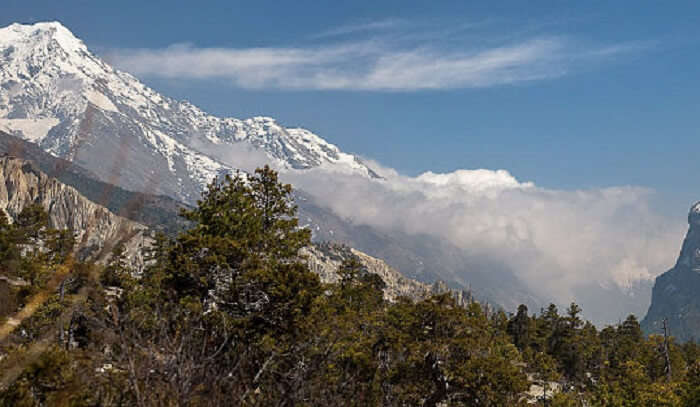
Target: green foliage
520, 327
228, 313
117, 270
51, 380
616, 366
30, 251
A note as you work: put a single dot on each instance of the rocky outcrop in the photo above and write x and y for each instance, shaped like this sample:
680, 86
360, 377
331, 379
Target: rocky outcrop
96, 229
155, 211
325, 259
676, 293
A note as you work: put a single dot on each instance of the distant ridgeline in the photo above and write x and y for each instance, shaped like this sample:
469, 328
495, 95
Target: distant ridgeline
676, 293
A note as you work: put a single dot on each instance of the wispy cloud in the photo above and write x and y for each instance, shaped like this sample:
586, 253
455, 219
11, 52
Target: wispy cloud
367, 65
370, 26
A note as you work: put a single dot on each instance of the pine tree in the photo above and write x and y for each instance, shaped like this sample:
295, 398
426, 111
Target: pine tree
519, 328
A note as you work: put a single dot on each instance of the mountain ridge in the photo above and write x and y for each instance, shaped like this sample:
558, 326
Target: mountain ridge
56, 93
76, 107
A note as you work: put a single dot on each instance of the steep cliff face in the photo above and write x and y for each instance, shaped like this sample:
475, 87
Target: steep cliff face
676, 293
96, 229
158, 212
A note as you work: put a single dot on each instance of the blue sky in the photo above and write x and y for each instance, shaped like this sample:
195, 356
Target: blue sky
563, 95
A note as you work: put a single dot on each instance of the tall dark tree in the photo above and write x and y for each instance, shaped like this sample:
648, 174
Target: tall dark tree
226, 299
519, 328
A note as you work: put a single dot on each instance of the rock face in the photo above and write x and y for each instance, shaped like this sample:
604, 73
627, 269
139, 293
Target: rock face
676, 293
155, 211
325, 259
96, 229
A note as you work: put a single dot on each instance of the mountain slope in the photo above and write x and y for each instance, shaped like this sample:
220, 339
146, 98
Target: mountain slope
56, 93
675, 293
155, 211
420, 257
325, 259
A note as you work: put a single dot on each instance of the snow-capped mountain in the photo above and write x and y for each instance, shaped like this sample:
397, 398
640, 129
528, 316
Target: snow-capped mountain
54, 92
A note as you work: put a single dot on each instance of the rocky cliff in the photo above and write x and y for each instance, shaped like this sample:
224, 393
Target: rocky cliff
676, 293
155, 211
96, 229
325, 259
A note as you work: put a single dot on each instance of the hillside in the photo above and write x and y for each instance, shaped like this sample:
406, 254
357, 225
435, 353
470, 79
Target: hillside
230, 307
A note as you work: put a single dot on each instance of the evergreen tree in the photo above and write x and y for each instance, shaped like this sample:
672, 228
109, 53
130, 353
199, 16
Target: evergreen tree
228, 313
519, 328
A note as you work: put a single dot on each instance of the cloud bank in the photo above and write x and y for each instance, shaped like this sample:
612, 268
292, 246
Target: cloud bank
565, 245
590, 246
395, 62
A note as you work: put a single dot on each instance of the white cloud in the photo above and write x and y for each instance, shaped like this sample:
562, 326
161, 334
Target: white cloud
470, 181
581, 245
241, 155
370, 26
373, 65
560, 243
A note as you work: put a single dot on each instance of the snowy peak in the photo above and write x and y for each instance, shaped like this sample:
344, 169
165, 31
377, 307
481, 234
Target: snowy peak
294, 148
42, 33
30, 50
46, 74
54, 92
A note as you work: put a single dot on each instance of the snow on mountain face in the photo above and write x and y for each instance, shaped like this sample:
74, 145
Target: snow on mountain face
56, 93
